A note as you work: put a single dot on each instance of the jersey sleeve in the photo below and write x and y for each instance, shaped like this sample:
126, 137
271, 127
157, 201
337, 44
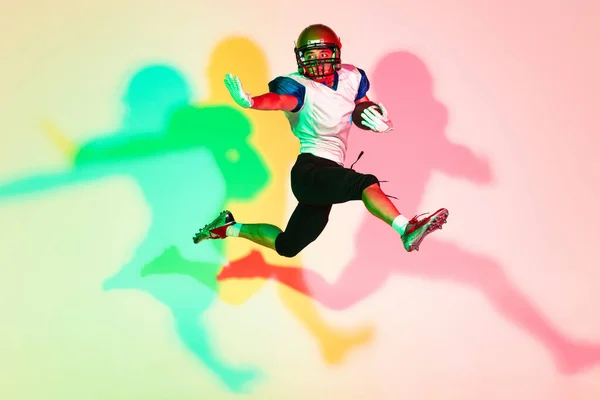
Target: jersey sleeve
286, 85
363, 86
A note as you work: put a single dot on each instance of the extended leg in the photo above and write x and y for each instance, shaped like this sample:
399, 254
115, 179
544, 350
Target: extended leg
412, 232
379, 204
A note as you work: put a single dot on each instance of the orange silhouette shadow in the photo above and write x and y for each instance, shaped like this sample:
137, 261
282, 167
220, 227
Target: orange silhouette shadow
279, 148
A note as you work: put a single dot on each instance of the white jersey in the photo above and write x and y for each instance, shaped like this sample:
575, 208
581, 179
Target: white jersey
323, 122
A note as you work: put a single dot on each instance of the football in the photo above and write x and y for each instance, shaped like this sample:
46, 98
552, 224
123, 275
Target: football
360, 107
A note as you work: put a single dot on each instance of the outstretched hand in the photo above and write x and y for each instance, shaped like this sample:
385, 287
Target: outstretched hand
236, 91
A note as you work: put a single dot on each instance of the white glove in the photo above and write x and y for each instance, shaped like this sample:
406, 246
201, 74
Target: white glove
376, 121
236, 91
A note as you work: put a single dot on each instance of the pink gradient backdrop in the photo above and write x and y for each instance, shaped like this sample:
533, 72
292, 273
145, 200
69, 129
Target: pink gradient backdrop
495, 105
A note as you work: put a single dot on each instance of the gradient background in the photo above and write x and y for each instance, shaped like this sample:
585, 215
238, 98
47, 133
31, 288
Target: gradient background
494, 104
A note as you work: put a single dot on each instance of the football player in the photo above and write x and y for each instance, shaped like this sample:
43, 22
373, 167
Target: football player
318, 100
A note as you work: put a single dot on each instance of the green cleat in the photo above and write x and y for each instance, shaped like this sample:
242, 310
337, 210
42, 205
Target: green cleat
216, 229
416, 230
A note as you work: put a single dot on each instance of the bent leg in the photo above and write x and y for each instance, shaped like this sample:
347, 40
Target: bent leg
305, 225
262, 234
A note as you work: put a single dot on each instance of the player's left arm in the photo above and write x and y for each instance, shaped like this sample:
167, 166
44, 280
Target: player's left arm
377, 121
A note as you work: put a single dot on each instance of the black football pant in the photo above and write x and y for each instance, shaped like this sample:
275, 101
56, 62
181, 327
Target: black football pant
317, 184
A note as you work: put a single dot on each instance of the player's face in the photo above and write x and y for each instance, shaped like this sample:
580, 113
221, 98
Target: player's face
321, 69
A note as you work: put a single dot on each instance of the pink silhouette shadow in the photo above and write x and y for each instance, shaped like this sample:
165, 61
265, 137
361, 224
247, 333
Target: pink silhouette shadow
406, 158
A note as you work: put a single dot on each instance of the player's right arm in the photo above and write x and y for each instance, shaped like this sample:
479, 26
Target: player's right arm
285, 94
275, 101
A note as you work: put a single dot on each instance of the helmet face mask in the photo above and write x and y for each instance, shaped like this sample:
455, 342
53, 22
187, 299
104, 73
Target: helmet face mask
315, 38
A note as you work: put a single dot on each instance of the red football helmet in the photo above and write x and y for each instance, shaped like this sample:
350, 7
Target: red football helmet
316, 37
